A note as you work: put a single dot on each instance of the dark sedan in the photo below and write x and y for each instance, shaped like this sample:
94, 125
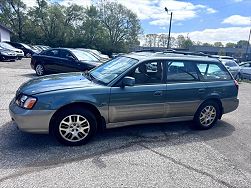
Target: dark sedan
59, 60
28, 51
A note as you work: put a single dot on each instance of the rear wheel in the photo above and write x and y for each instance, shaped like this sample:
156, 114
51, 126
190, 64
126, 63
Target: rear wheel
39, 68
207, 115
74, 127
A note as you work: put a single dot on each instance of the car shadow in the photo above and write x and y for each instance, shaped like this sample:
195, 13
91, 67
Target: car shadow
21, 150
29, 75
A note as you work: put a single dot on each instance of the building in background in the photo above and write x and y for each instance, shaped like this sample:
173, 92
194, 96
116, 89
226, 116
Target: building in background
238, 53
4, 33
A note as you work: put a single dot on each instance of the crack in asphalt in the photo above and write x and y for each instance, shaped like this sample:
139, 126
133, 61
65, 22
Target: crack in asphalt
187, 166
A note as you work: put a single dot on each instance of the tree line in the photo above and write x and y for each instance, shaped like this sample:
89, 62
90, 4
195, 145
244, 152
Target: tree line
106, 26
161, 40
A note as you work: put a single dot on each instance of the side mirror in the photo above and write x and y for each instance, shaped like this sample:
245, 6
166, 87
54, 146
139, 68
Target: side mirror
128, 81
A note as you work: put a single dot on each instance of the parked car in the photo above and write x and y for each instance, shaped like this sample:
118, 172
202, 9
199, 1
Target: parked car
7, 55
37, 49
232, 66
41, 47
245, 72
19, 53
123, 91
96, 53
59, 60
28, 51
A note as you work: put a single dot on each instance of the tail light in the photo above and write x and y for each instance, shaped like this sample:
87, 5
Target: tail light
236, 84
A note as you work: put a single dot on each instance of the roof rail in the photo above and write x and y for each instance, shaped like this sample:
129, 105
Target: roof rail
187, 53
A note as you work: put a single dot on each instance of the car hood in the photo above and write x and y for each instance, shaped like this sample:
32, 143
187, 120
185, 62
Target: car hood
55, 82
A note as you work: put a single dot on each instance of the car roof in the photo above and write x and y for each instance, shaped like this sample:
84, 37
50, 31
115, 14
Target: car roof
142, 56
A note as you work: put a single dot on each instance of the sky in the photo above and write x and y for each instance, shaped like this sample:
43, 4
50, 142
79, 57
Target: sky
201, 20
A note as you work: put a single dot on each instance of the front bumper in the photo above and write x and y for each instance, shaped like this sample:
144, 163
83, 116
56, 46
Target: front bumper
32, 121
8, 57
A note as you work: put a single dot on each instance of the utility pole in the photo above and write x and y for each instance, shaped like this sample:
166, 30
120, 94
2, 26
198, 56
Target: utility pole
248, 45
170, 26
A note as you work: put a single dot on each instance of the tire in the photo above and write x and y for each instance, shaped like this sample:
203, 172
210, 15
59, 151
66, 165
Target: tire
39, 68
207, 115
69, 132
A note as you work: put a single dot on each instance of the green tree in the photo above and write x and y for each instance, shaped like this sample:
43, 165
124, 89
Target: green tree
218, 44
108, 26
12, 14
242, 44
206, 44
183, 42
230, 45
121, 25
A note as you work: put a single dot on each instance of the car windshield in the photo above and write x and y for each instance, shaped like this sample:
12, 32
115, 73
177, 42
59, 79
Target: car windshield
110, 70
5, 45
83, 56
25, 45
229, 63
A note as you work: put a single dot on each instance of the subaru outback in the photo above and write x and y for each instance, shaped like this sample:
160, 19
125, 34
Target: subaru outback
136, 88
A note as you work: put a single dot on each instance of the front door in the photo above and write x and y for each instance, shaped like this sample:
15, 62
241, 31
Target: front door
145, 100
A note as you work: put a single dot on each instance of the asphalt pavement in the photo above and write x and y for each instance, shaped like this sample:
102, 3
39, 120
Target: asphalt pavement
153, 155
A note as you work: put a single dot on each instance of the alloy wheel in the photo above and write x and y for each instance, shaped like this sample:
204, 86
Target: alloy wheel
40, 70
74, 128
207, 115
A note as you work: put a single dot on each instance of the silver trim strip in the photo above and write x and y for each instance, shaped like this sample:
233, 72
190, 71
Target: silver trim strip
147, 121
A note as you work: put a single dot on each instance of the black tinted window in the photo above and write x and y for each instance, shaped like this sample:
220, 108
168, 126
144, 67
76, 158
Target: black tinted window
181, 71
213, 71
148, 73
66, 54
52, 53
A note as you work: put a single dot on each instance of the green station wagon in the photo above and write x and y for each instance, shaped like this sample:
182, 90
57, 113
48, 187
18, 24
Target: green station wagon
132, 89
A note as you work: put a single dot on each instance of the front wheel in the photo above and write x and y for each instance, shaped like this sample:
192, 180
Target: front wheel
207, 115
74, 127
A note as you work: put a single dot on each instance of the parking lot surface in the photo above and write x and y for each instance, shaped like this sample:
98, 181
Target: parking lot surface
154, 155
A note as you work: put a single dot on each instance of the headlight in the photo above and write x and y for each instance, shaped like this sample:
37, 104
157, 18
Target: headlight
4, 53
25, 101
8, 53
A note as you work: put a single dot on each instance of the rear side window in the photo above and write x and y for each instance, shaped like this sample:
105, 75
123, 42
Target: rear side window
213, 72
181, 71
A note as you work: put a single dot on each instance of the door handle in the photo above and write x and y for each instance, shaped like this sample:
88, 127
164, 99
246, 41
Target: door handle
201, 90
157, 93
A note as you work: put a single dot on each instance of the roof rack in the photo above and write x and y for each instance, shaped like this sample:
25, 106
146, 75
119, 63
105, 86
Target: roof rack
187, 53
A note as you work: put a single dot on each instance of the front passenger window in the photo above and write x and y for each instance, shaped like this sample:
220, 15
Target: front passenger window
148, 73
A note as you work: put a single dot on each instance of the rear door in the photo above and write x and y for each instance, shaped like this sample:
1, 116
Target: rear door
218, 81
185, 90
